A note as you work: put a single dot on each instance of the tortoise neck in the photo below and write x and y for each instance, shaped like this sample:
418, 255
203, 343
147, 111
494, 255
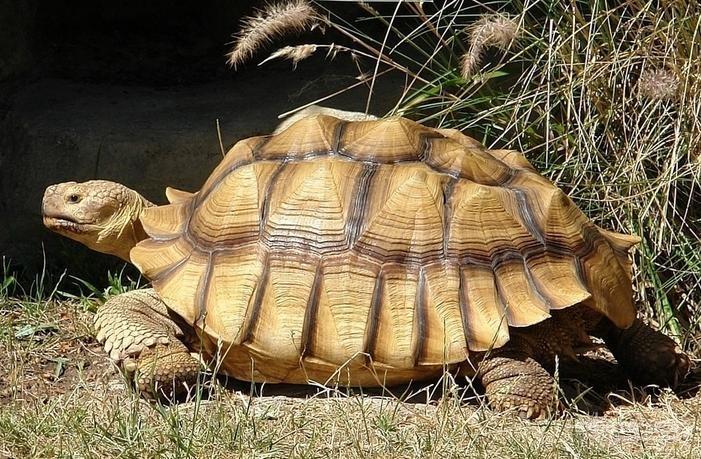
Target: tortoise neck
132, 231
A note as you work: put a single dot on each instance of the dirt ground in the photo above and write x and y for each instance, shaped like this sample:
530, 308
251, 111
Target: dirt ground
61, 397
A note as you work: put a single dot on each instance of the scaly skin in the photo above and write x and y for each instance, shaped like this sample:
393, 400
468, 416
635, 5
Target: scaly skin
515, 375
166, 372
515, 381
102, 215
129, 323
135, 327
646, 355
138, 334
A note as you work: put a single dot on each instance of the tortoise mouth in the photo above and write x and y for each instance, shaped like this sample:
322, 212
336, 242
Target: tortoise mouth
64, 223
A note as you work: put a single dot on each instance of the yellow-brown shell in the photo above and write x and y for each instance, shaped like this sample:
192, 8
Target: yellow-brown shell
385, 239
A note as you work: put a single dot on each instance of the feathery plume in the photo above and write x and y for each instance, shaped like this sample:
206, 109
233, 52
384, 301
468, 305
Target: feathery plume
494, 30
470, 62
293, 53
273, 21
657, 84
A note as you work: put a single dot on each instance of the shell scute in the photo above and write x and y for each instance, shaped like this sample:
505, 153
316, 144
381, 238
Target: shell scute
345, 302
444, 337
181, 285
278, 331
229, 295
487, 321
399, 327
240, 154
308, 137
404, 218
231, 213
473, 164
484, 225
384, 141
311, 205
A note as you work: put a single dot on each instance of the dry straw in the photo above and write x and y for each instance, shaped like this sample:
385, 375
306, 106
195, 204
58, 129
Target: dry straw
494, 30
269, 23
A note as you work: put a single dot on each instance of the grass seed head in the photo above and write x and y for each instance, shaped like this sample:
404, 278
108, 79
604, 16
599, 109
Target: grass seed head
658, 85
494, 30
293, 53
273, 21
470, 62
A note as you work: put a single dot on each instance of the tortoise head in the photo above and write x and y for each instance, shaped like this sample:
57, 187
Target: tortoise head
102, 215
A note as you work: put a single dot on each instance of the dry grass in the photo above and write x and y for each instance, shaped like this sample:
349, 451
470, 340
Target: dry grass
603, 97
61, 398
293, 53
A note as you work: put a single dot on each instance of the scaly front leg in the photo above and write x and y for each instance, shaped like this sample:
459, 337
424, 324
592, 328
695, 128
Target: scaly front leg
138, 334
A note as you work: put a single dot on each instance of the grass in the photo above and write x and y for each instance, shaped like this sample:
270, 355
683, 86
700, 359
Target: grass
603, 97
577, 88
61, 397
85, 410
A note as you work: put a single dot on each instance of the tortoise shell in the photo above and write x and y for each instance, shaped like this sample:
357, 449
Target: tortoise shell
341, 243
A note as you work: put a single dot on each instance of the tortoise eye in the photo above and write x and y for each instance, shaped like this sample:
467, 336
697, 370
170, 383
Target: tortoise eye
73, 198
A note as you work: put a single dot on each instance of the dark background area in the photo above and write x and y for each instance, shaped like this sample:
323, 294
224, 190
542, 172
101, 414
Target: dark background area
128, 41
132, 91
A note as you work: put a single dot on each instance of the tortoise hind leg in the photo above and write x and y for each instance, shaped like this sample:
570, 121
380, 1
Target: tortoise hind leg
138, 333
517, 375
514, 380
646, 355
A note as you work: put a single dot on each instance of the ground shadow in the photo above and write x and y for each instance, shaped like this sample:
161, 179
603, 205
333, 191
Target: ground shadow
591, 386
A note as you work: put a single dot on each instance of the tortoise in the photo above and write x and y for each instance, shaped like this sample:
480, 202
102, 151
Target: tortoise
365, 253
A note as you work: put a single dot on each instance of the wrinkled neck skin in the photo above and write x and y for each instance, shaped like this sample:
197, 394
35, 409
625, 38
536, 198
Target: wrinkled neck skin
123, 231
